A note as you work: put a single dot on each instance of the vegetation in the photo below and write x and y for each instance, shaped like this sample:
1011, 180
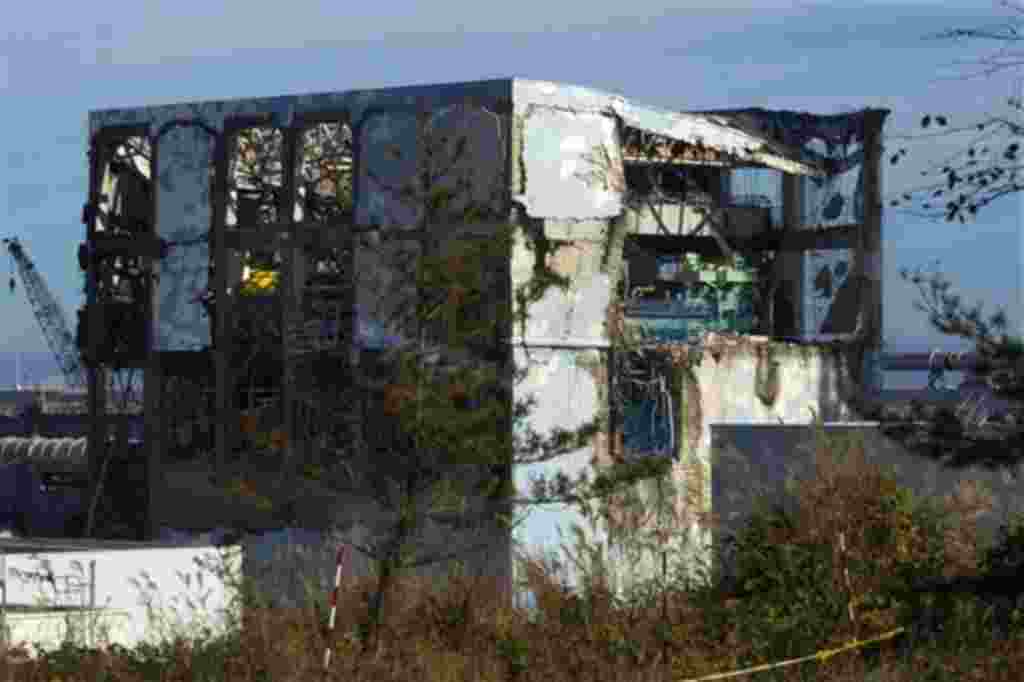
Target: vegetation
852, 571
986, 167
426, 429
833, 564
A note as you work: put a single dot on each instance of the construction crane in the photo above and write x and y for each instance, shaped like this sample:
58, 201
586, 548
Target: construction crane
49, 315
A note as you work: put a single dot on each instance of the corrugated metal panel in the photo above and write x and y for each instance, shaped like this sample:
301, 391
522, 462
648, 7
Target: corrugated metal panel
185, 157
388, 156
482, 161
713, 132
57, 454
282, 109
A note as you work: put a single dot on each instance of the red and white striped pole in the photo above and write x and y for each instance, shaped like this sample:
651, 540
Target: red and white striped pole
334, 606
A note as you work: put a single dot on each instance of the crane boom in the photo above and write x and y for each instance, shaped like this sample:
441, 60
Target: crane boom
49, 315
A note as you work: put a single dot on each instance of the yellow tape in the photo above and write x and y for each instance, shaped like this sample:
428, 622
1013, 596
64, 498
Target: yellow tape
821, 656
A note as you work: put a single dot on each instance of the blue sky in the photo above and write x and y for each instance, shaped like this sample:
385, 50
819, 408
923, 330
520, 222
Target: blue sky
58, 61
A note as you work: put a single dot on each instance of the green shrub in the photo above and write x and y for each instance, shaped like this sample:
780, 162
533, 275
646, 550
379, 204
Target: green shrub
835, 560
793, 606
1007, 554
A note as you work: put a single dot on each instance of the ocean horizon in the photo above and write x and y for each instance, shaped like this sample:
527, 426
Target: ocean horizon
40, 367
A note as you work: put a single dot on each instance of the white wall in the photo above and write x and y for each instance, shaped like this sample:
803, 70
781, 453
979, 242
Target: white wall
191, 594
567, 396
566, 338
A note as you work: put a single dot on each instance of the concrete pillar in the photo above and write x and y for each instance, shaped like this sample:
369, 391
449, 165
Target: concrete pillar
868, 262
221, 356
289, 290
153, 443
791, 289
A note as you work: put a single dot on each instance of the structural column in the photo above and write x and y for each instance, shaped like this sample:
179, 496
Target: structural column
870, 252
289, 291
792, 271
221, 353
154, 441
96, 373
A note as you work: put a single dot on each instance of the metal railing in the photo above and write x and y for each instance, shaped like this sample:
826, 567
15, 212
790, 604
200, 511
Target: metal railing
916, 362
974, 400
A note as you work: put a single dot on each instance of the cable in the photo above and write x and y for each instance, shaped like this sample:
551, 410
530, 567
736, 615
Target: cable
670, 413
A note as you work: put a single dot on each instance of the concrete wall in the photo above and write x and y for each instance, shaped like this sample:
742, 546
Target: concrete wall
569, 181
192, 595
286, 563
574, 200
569, 384
279, 556
808, 379
758, 459
565, 383
569, 190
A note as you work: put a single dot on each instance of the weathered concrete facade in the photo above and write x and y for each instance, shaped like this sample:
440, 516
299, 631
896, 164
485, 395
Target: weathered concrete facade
598, 251
606, 193
752, 380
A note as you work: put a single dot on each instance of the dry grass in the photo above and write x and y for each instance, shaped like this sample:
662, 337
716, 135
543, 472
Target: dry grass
470, 632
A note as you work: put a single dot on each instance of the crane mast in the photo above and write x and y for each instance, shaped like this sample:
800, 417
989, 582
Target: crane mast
49, 315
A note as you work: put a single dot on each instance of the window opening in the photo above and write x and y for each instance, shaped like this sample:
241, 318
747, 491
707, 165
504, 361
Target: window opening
324, 190
758, 188
126, 191
672, 185
676, 296
646, 406
324, 198
255, 185
123, 211
675, 196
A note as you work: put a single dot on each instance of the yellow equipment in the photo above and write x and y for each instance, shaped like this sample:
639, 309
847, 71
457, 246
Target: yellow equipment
258, 282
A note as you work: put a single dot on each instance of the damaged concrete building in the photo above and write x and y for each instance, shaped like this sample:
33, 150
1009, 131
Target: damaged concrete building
738, 257
751, 238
